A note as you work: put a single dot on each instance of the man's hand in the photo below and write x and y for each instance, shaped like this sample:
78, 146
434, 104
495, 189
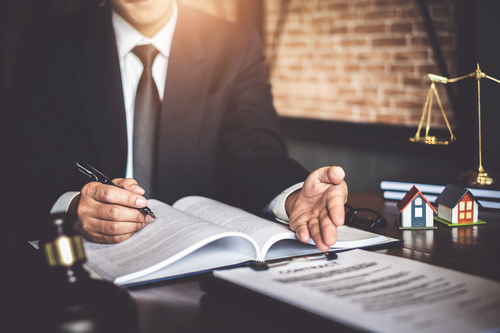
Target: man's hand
108, 214
318, 208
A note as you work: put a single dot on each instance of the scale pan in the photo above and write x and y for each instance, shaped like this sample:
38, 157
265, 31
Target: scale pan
432, 140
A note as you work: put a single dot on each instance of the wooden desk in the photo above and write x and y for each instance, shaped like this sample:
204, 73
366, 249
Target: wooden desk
180, 306
174, 306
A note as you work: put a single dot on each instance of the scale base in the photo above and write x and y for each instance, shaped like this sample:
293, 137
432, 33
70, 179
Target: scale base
475, 177
432, 140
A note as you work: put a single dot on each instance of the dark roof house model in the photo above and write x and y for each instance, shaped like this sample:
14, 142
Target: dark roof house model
452, 195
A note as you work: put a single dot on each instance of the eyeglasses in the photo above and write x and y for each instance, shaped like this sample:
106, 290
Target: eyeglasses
364, 218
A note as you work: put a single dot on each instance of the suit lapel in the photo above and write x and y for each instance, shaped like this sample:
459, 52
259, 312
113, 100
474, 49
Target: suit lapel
183, 103
101, 95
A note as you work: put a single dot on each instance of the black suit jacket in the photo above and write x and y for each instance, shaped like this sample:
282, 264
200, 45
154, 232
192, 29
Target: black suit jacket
218, 136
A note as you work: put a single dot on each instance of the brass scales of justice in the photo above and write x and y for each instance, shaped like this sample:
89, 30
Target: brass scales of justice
478, 175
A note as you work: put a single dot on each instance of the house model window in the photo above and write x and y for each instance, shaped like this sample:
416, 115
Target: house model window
462, 207
418, 211
418, 202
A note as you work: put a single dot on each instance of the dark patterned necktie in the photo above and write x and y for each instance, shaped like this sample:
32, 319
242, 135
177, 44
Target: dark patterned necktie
146, 119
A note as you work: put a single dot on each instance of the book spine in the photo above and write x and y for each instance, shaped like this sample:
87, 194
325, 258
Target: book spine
398, 195
435, 189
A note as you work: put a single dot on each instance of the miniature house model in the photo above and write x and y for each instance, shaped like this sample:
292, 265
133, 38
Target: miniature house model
416, 211
457, 205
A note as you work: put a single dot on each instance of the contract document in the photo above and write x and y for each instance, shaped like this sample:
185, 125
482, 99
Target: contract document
380, 293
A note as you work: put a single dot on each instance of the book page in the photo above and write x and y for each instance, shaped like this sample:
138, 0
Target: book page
270, 236
172, 236
264, 232
348, 238
211, 256
380, 293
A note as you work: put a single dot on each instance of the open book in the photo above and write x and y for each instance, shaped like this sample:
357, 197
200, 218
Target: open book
197, 234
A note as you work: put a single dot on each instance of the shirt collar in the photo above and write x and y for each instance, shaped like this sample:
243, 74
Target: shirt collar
127, 37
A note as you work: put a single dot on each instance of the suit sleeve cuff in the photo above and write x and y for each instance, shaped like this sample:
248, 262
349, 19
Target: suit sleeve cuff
277, 206
62, 204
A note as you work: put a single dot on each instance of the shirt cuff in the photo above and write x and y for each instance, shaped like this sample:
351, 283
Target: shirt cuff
62, 204
277, 206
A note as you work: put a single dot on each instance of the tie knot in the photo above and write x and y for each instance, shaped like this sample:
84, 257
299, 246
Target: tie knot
146, 53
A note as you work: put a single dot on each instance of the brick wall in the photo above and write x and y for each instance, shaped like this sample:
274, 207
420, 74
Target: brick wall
354, 60
359, 60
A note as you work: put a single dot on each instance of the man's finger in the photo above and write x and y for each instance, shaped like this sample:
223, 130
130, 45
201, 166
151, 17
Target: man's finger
117, 213
328, 228
336, 174
110, 228
315, 231
299, 225
331, 175
129, 184
335, 203
111, 194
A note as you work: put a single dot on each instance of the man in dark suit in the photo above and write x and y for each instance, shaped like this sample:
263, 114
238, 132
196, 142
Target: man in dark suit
217, 133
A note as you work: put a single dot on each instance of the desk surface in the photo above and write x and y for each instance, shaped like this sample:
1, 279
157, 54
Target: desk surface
175, 306
180, 306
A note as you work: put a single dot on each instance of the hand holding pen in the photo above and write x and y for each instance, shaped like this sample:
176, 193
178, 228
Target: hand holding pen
111, 211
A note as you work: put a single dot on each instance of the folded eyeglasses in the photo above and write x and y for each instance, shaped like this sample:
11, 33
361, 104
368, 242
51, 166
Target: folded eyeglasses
364, 218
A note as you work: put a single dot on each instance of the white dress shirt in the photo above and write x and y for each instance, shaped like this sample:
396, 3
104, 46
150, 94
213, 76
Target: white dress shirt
127, 37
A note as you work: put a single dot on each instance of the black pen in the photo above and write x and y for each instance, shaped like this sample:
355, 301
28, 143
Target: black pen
98, 176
